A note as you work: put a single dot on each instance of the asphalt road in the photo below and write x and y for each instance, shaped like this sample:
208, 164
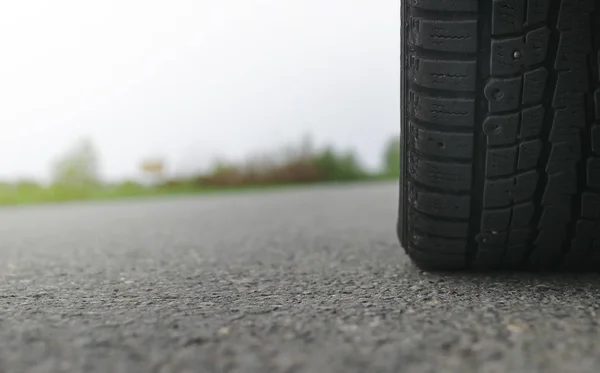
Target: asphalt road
290, 281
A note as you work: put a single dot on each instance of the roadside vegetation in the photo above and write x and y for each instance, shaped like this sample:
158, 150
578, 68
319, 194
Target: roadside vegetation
75, 176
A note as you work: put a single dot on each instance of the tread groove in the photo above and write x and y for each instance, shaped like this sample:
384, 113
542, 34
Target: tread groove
434, 235
443, 15
442, 93
420, 51
441, 158
577, 208
479, 145
440, 127
576, 254
442, 218
556, 192
437, 189
548, 119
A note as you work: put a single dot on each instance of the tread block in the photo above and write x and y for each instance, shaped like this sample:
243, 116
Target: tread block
500, 162
580, 246
595, 132
489, 257
445, 5
577, 258
514, 256
521, 236
566, 134
525, 186
564, 156
547, 249
498, 193
503, 94
445, 36
443, 111
556, 215
434, 260
597, 97
501, 129
531, 121
491, 249
522, 214
537, 12
453, 176
446, 75
559, 186
495, 220
588, 229
503, 192
438, 227
566, 93
567, 121
506, 56
443, 205
439, 244
536, 46
492, 240
550, 238
593, 172
573, 13
507, 16
534, 84
529, 154
590, 205
456, 145
573, 47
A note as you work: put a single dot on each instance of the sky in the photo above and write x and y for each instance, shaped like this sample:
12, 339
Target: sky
190, 80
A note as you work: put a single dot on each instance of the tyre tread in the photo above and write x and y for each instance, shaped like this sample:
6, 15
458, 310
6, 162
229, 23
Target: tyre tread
502, 134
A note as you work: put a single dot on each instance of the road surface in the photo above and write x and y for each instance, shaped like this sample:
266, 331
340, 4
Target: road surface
306, 280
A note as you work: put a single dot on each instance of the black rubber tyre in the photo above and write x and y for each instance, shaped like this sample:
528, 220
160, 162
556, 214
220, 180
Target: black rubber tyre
500, 134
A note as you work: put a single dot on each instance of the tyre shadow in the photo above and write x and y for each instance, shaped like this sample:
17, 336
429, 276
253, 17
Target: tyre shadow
525, 281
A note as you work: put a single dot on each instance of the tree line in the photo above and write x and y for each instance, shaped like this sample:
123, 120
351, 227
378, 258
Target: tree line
76, 174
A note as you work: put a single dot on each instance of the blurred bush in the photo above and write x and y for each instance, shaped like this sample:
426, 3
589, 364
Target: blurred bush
294, 164
339, 166
78, 168
75, 175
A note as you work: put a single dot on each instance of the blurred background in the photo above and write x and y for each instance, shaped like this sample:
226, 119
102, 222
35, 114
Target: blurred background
107, 99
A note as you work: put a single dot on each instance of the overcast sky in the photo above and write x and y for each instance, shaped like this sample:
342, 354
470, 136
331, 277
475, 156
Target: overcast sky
189, 80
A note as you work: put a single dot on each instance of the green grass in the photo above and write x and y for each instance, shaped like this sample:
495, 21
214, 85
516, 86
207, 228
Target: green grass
30, 194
